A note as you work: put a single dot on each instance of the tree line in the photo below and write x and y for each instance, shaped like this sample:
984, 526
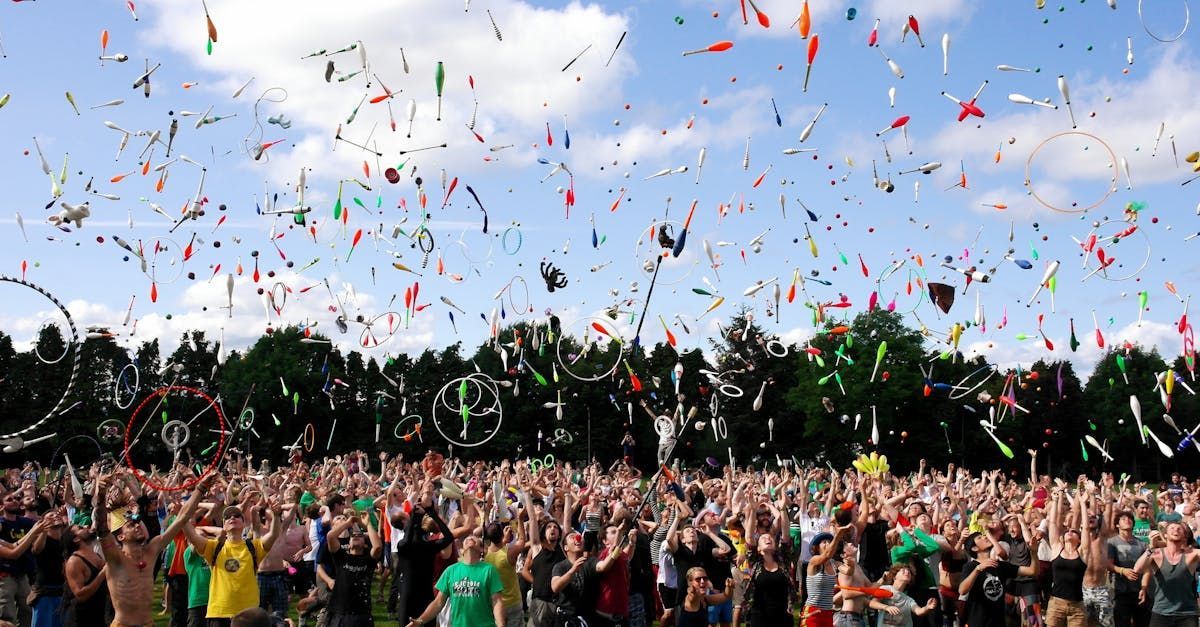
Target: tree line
816, 402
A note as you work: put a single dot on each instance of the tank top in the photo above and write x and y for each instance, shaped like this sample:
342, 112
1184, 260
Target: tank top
89, 613
1067, 578
1174, 589
820, 590
692, 618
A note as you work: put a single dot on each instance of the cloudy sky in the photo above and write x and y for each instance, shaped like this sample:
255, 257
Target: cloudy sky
628, 115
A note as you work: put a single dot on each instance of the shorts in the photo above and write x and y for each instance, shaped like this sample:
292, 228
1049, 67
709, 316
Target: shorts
514, 615
46, 611
848, 619
542, 613
721, 613
816, 617
1064, 613
273, 592
1098, 605
739, 589
668, 596
14, 590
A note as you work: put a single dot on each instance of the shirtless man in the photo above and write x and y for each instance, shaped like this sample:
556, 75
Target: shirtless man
130, 555
853, 603
1097, 597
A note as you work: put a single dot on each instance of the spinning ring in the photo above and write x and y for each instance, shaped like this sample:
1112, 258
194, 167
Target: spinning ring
123, 383
72, 338
730, 390
1113, 240
783, 350
601, 329
1187, 18
146, 413
913, 277
1108, 192
720, 429
472, 396
413, 431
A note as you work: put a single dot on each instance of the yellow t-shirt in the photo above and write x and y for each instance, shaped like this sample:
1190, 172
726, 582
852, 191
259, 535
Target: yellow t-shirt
234, 585
511, 595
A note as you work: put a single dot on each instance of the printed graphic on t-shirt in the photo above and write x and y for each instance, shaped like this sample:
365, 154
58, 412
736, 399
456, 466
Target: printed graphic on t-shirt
467, 588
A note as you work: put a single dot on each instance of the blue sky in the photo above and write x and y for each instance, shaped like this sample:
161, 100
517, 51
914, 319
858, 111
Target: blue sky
649, 110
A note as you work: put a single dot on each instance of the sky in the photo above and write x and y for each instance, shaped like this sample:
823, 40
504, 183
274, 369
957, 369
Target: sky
602, 89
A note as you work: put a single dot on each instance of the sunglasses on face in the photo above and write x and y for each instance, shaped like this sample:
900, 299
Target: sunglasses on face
233, 515
700, 579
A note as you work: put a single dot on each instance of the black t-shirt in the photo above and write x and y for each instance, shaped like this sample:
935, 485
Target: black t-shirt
49, 564
874, 557
718, 568
685, 560
542, 569
985, 600
351, 594
641, 575
579, 597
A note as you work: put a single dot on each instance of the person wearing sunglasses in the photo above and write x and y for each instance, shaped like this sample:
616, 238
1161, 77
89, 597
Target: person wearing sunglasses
693, 607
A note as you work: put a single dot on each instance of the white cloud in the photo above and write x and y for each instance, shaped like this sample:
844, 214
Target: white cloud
891, 14
518, 81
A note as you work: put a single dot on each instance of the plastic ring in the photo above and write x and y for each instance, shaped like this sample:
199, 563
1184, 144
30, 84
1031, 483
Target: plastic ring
664, 427
1112, 182
588, 345
1115, 240
482, 383
414, 431
731, 390
783, 348
965, 391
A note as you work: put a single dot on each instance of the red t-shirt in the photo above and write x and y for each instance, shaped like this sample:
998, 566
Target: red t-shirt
614, 587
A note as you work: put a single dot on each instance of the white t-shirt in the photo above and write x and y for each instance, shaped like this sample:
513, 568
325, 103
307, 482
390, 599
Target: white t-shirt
809, 528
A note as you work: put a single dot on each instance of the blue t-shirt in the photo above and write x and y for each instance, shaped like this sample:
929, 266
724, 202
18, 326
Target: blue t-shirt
12, 531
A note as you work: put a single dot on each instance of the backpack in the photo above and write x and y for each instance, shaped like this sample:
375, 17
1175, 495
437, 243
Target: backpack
249, 547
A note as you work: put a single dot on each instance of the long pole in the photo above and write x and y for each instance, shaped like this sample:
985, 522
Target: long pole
589, 437
661, 468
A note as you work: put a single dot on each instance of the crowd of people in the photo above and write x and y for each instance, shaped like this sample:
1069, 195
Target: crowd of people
473, 544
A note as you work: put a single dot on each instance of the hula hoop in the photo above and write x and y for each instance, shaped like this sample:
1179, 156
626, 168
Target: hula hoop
123, 382
537, 465
54, 456
720, 429
587, 347
767, 347
76, 361
508, 287
1187, 19
367, 338
1029, 167
482, 383
212, 464
1104, 275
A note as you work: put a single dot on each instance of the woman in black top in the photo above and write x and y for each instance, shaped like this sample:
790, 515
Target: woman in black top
769, 593
1068, 566
698, 595
414, 559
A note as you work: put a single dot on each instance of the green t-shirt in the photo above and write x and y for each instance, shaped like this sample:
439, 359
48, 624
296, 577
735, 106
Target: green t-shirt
470, 587
198, 577
367, 505
1169, 517
1141, 529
